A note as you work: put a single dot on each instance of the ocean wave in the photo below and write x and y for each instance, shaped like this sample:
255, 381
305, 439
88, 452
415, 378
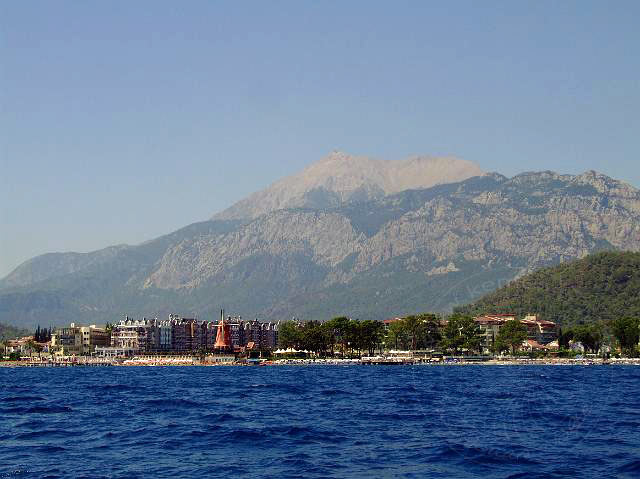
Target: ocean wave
334, 392
119, 387
20, 399
37, 410
44, 434
168, 404
479, 455
632, 466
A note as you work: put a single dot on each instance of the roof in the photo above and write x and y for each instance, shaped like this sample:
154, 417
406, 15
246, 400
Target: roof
533, 344
496, 319
502, 318
391, 320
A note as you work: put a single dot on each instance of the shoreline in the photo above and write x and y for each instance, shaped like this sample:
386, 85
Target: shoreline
170, 362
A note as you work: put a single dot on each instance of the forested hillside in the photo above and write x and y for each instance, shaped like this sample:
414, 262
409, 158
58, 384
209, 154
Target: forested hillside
10, 332
602, 286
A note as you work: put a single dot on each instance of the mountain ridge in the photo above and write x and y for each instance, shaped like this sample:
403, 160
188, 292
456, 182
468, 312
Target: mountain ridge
422, 249
339, 178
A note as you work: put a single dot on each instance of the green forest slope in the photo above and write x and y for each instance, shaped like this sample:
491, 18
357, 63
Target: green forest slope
601, 286
11, 332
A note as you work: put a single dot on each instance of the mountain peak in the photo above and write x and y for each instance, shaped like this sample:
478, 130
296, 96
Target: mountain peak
340, 177
337, 155
606, 184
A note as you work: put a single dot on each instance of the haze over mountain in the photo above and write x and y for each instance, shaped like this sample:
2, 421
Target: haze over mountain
348, 242
340, 177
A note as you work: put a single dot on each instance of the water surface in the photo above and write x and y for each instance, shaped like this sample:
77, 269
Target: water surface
321, 421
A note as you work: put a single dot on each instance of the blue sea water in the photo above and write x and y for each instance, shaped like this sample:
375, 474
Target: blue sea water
321, 421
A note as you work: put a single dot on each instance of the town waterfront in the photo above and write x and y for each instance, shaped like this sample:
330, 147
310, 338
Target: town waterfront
332, 421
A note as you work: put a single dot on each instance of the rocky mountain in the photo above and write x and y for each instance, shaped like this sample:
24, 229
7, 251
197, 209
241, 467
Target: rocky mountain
416, 250
340, 178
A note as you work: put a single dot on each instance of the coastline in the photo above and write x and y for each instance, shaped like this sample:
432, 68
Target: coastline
171, 362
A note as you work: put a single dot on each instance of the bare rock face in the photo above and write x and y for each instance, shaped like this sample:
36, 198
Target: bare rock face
339, 178
325, 238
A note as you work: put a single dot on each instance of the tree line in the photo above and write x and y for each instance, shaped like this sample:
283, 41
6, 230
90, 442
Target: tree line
623, 332
456, 334
42, 335
340, 334
349, 337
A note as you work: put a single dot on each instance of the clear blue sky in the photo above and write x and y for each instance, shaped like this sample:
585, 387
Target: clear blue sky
122, 120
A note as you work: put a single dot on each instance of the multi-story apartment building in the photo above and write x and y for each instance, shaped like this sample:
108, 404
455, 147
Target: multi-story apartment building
133, 334
190, 334
538, 330
78, 340
490, 326
67, 341
262, 335
165, 336
179, 335
93, 337
236, 331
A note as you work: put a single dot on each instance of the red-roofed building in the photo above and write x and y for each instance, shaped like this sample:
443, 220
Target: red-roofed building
490, 325
388, 322
538, 331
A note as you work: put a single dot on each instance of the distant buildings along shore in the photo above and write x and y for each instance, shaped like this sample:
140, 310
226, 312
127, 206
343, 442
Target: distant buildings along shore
175, 335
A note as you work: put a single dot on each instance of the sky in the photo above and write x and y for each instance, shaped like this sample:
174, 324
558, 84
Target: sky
121, 121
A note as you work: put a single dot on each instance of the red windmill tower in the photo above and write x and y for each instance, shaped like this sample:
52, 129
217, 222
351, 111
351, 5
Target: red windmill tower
223, 336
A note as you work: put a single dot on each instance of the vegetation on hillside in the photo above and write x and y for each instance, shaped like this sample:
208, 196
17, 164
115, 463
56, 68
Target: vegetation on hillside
11, 332
600, 287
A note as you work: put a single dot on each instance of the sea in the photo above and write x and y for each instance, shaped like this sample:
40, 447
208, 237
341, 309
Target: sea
321, 422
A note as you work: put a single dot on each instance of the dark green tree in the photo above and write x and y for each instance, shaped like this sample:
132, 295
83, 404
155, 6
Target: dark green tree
564, 337
432, 333
314, 337
397, 335
627, 332
340, 331
415, 329
461, 333
289, 335
371, 333
590, 335
511, 335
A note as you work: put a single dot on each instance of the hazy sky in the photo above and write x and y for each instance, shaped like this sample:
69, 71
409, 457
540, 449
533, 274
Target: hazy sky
121, 121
